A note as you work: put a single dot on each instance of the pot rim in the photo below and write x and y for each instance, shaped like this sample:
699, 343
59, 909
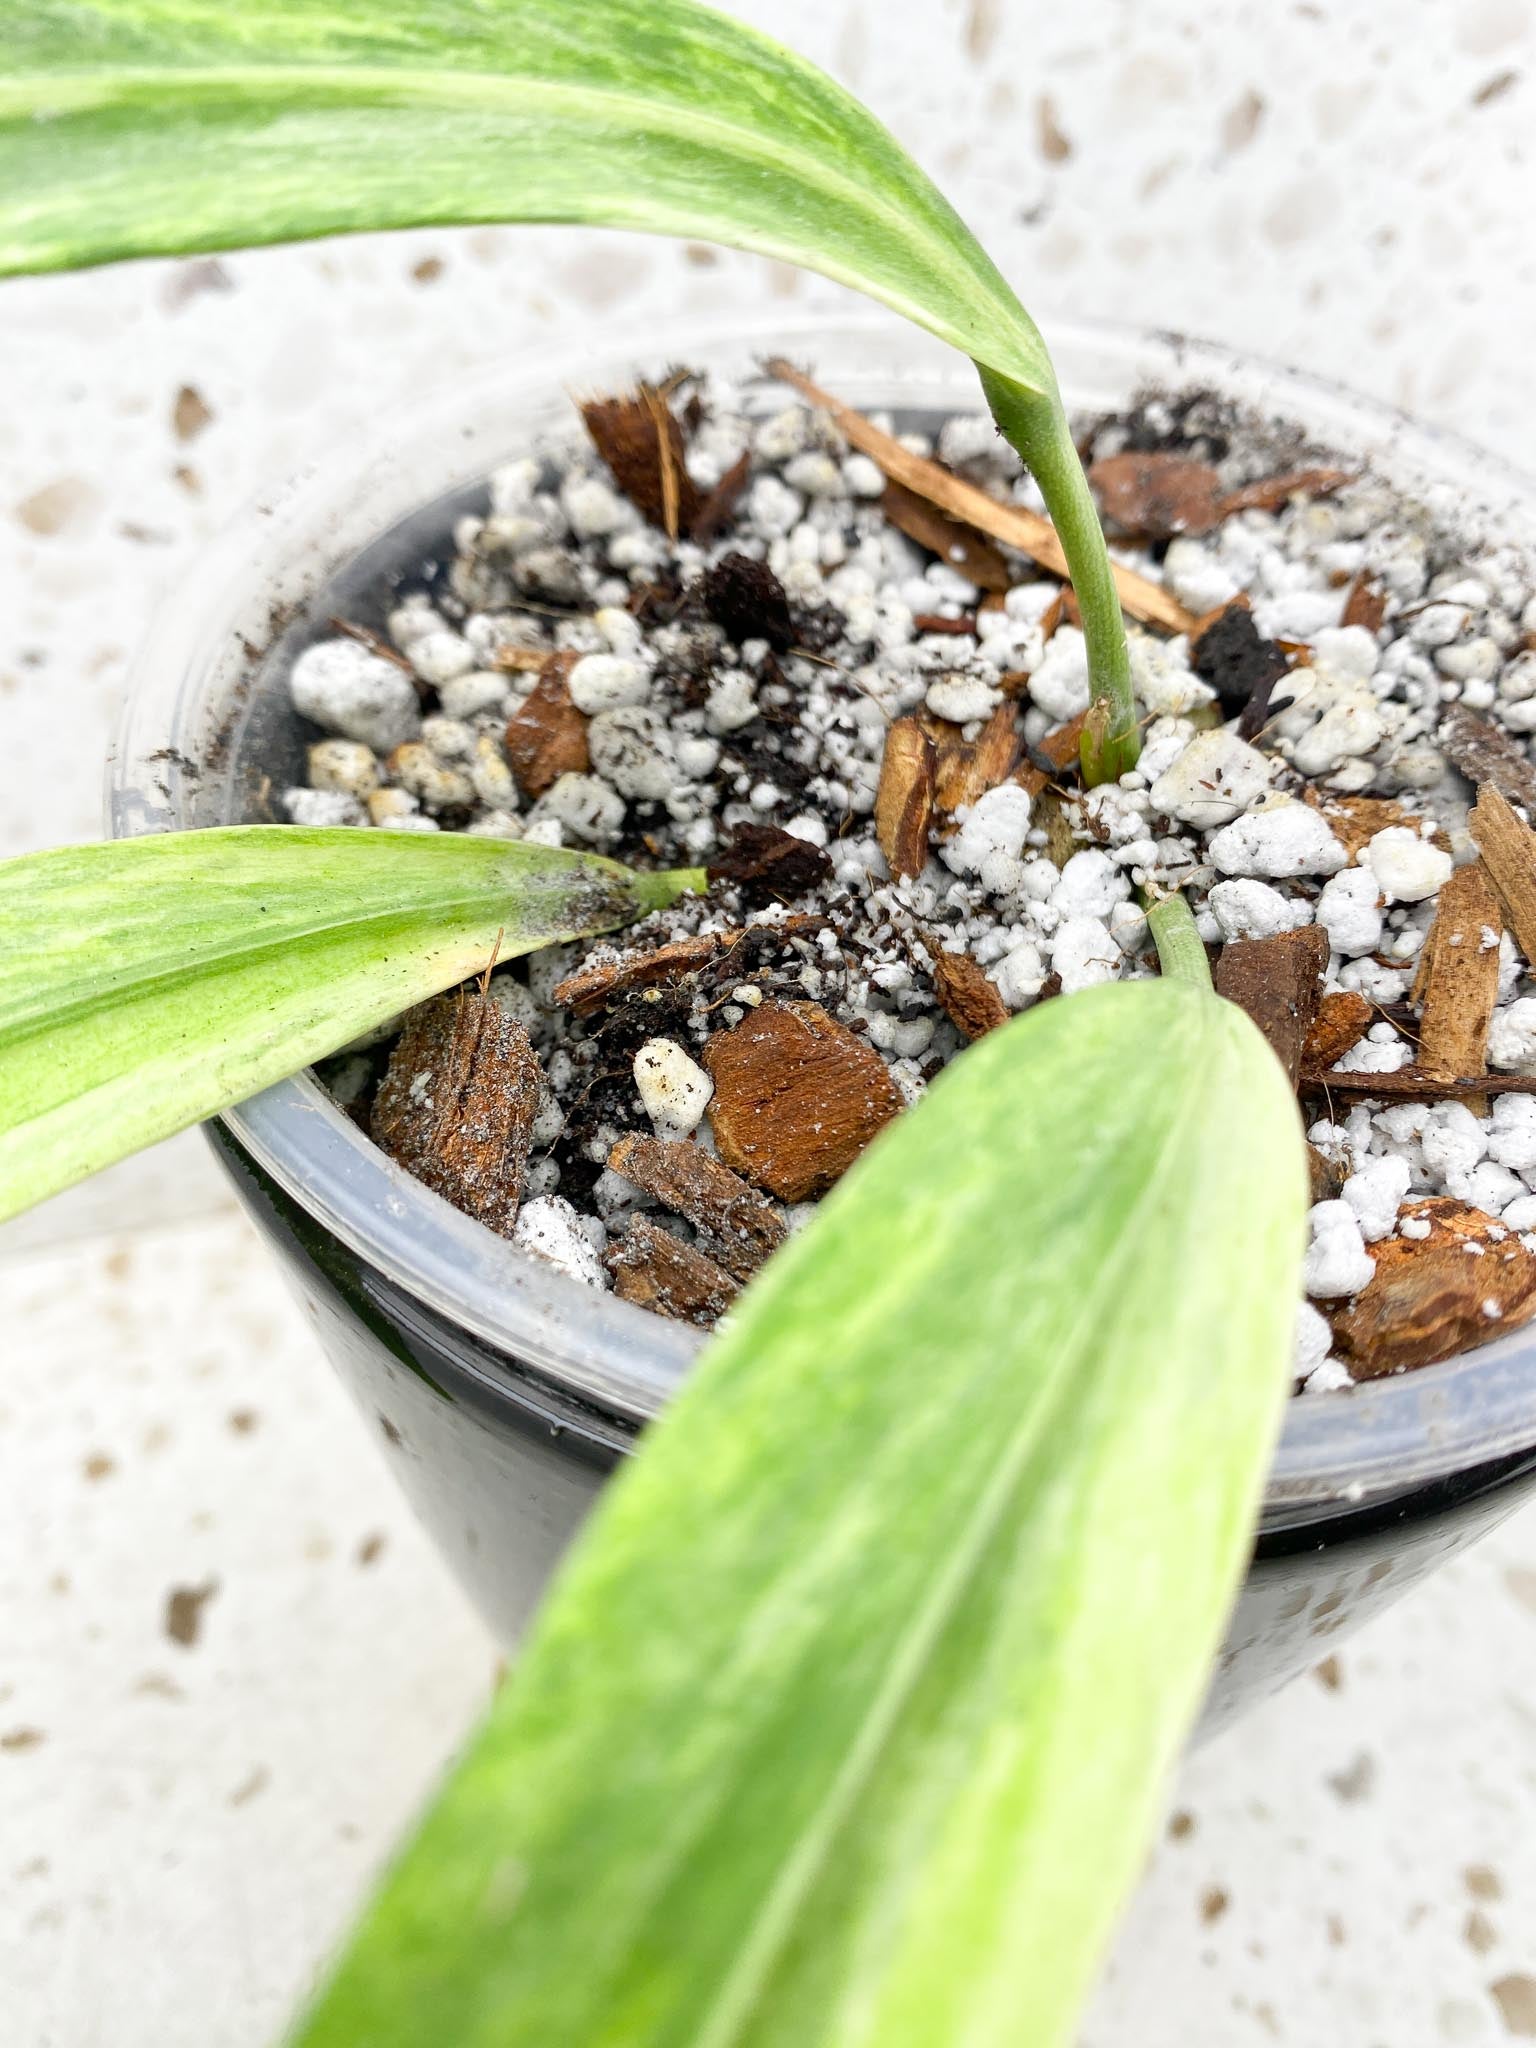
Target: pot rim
1337, 1450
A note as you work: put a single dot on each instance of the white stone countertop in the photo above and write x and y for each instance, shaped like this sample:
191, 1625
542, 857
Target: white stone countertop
185, 1825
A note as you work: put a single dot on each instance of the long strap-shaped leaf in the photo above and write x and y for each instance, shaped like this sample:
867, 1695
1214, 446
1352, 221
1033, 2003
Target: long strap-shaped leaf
148, 984
135, 127
845, 1724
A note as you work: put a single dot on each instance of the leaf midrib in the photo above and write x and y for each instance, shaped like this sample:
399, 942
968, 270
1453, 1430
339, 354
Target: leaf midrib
721, 2023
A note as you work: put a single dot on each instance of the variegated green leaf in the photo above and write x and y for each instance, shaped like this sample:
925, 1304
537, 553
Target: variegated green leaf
845, 1725
148, 984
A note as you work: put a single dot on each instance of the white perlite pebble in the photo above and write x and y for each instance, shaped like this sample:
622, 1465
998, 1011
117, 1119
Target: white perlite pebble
1059, 684
1090, 886
1337, 1262
1314, 1340
1512, 1132
1214, 780
731, 703
606, 682
632, 749
1020, 975
550, 1228
1280, 838
1512, 1037
439, 657
1406, 865
346, 765
1084, 954
323, 807
997, 823
341, 686
674, 1089
1348, 910
585, 807
1375, 1191
1252, 910
959, 698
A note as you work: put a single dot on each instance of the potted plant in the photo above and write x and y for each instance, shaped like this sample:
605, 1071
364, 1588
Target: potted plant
898, 1603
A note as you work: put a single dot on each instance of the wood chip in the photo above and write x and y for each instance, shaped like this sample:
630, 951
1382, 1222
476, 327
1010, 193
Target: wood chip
740, 1230
1461, 976
905, 798
967, 995
1156, 494
768, 864
1355, 820
1366, 604
715, 511
1508, 851
1278, 981
1412, 1084
1324, 1177
547, 735
961, 546
457, 1103
797, 1098
599, 981
1342, 1020
941, 622
1271, 492
642, 444
1014, 525
1062, 748
656, 1270
1486, 754
966, 769
1466, 1281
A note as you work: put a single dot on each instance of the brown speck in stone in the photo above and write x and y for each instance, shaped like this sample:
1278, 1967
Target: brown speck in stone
1355, 1781
255, 1782
1241, 121
184, 1611
1214, 1902
1479, 1932
190, 413
16, 1741
1329, 1674
57, 505
428, 270
1521, 1586
244, 1421
188, 478
1483, 1883
700, 255
1337, 1932
1515, 1996
391, 1434
1181, 1826
1495, 88
99, 1466
1055, 144
371, 1549
982, 21
156, 1685
118, 1265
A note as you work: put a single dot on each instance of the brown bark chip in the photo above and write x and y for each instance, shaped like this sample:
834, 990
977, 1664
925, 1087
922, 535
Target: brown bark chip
739, 1228
642, 444
457, 1104
1485, 753
1342, 1020
797, 1098
1278, 982
656, 1270
1062, 746
967, 995
1355, 820
1366, 604
597, 982
905, 799
1508, 851
1461, 978
966, 769
1466, 1281
769, 865
961, 546
1158, 494
547, 735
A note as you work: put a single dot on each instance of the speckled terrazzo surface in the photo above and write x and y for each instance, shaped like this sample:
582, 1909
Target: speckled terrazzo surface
184, 1823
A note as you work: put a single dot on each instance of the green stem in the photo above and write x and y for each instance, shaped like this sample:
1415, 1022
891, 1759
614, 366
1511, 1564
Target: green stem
1036, 424
1180, 949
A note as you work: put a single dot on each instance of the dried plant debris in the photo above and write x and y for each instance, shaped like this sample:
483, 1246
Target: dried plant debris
1278, 982
797, 1098
1158, 494
833, 660
657, 1270
457, 1103
1451, 1277
735, 1225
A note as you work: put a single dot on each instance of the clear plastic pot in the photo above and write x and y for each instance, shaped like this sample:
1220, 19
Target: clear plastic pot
1432, 1455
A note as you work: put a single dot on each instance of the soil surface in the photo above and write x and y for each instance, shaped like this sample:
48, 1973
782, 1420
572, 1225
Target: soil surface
690, 635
